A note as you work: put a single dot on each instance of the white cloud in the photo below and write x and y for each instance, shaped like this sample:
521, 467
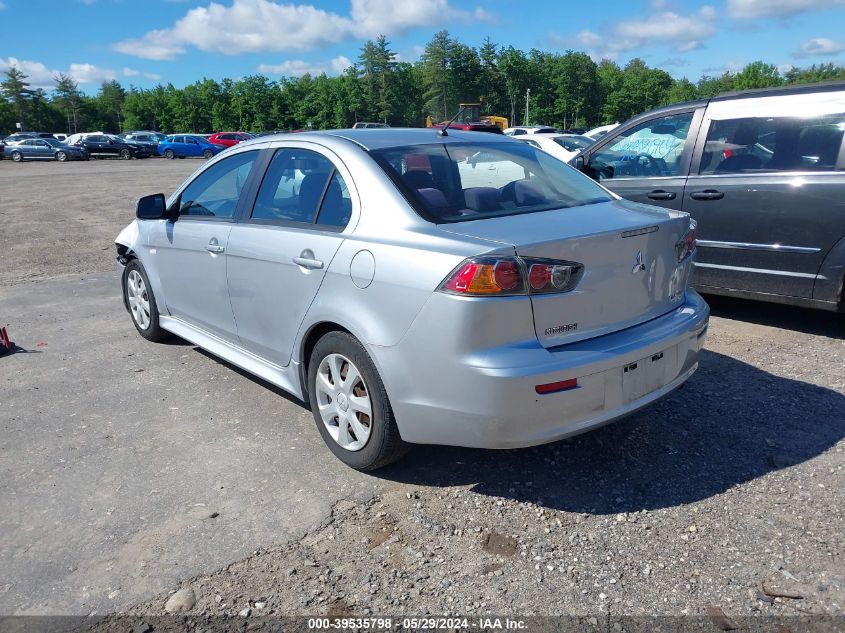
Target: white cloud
40, 76
749, 9
820, 46
681, 32
250, 26
2, 5
298, 67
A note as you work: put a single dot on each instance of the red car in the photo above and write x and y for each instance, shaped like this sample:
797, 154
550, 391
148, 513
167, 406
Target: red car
229, 138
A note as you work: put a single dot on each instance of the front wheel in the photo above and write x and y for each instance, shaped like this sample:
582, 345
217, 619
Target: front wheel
141, 303
207, 154
61, 157
17, 157
125, 154
350, 404
168, 154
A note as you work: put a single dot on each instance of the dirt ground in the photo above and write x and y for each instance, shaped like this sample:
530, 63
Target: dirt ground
59, 218
724, 498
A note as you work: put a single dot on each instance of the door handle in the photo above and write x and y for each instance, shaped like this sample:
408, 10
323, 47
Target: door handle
659, 194
707, 194
214, 247
307, 262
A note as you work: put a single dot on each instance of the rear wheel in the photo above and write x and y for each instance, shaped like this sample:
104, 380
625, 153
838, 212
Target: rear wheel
17, 157
125, 154
61, 156
207, 154
350, 404
141, 302
168, 153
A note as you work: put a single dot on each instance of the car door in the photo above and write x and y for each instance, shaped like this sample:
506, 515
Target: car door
192, 147
766, 190
190, 253
279, 253
97, 145
43, 149
647, 161
27, 148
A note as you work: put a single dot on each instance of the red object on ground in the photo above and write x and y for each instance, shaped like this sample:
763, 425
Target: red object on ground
5, 344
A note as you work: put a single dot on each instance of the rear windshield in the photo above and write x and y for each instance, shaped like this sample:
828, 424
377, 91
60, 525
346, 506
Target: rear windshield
467, 181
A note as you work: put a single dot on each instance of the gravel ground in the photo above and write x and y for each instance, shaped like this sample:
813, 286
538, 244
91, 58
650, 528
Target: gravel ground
726, 495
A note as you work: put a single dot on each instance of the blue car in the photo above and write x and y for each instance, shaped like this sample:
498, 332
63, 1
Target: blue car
182, 145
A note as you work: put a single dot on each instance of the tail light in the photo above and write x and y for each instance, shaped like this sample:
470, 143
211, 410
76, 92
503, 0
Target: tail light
507, 276
686, 245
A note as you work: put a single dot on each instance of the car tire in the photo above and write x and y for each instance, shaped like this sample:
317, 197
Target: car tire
169, 155
61, 157
140, 302
207, 154
382, 443
125, 154
17, 157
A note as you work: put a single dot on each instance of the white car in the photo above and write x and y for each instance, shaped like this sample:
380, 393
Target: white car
597, 132
564, 147
522, 130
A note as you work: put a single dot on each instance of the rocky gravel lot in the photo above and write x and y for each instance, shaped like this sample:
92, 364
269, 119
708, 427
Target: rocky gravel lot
724, 498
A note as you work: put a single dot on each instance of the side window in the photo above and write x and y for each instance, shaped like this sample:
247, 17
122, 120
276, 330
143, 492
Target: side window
653, 148
293, 187
178, 139
762, 144
337, 203
215, 192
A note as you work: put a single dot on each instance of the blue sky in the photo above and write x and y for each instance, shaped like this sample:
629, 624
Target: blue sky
144, 42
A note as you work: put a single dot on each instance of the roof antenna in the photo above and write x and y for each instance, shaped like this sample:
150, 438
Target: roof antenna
443, 132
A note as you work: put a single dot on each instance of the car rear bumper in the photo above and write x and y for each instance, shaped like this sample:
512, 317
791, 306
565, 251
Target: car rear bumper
489, 399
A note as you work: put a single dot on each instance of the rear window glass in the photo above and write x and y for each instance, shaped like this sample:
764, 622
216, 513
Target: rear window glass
467, 181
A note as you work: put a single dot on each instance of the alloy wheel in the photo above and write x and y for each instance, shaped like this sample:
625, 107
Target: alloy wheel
138, 299
344, 402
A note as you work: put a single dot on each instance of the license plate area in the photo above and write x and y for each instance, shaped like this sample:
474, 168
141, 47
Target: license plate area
646, 374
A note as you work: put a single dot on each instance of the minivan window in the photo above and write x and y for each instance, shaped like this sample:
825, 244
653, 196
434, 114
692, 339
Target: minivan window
215, 192
764, 144
653, 148
467, 181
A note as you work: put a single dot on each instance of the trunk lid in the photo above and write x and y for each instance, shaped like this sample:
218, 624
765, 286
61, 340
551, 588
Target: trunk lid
631, 273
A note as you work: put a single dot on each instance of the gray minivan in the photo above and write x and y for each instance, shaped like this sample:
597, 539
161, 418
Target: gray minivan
762, 172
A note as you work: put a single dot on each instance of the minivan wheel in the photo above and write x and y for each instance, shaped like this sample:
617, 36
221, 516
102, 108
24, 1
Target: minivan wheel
207, 154
168, 153
350, 404
140, 302
125, 154
17, 157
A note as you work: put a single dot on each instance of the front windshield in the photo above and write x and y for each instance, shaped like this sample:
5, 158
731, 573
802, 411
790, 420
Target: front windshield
467, 181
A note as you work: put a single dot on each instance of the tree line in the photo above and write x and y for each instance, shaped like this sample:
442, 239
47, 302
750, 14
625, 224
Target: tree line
566, 90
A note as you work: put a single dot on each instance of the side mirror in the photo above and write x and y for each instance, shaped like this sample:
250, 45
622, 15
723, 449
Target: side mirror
151, 207
579, 163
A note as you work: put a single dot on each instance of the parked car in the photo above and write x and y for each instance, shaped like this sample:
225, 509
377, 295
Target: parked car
763, 173
45, 148
521, 130
361, 287
2, 150
182, 145
363, 125
562, 146
109, 146
228, 139
148, 141
60, 136
597, 132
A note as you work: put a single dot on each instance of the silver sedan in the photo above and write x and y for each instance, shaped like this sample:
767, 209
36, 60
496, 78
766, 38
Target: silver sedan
420, 287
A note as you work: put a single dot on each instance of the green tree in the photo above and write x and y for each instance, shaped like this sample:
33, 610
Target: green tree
515, 68
681, 90
67, 96
757, 75
436, 79
15, 88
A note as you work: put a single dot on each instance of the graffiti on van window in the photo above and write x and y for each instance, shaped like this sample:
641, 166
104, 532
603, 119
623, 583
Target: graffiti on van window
657, 146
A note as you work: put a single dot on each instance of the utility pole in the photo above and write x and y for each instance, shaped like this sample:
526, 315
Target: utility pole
527, 96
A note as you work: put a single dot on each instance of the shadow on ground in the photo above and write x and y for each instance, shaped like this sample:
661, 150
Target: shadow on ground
819, 322
730, 424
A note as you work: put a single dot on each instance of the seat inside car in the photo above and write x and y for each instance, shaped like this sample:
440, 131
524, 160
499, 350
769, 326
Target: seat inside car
746, 135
